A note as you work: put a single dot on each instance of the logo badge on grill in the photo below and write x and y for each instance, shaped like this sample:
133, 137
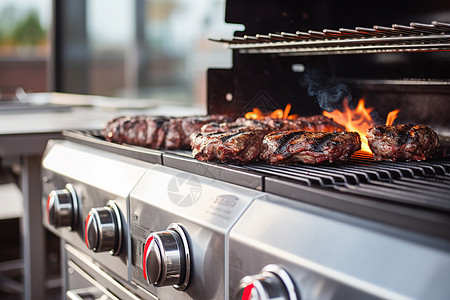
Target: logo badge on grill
184, 189
263, 101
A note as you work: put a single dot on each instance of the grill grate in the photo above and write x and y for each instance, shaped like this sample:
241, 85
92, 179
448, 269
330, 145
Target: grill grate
425, 184
422, 184
417, 37
411, 195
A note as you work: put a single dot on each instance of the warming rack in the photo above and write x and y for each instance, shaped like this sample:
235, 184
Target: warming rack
417, 37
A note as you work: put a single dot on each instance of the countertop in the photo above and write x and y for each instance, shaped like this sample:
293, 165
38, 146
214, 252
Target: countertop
71, 112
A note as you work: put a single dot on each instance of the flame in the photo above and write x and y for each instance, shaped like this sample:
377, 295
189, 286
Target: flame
276, 114
391, 117
358, 120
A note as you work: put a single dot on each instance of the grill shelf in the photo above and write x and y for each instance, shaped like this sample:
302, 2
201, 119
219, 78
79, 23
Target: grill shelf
417, 37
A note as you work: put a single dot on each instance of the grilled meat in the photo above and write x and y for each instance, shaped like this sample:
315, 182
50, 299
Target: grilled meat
318, 123
313, 123
290, 147
156, 132
237, 141
240, 124
137, 130
237, 147
402, 142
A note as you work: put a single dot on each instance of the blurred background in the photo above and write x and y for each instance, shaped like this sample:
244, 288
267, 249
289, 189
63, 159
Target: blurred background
133, 50
154, 49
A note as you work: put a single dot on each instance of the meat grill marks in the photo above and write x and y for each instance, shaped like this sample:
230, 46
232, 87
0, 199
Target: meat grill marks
136, 130
318, 123
159, 132
156, 132
296, 146
285, 147
227, 147
402, 142
312, 123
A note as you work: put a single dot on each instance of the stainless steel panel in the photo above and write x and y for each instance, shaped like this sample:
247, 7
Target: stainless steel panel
206, 208
97, 177
86, 280
332, 256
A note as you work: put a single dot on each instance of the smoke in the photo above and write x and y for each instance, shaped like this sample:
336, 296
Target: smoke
328, 95
377, 120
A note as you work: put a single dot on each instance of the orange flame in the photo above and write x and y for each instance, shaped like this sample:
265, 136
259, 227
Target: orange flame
392, 116
358, 120
276, 114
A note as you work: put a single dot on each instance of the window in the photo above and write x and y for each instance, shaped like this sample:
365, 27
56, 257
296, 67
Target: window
152, 49
24, 46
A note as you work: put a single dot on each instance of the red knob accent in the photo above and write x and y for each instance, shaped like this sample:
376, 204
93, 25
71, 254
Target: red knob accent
247, 294
86, 240
48, 206
144, 260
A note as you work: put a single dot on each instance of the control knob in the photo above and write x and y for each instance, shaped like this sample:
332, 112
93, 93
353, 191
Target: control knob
62, 207
166, 259
103, 230
273, 282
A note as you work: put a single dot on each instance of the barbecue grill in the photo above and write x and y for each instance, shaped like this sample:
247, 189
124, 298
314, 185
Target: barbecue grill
188, 229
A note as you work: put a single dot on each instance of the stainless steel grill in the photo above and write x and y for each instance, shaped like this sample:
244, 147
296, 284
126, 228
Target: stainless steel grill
362, 229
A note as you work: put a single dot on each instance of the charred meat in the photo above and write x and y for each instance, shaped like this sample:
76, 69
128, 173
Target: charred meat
290, 147
236, 147
318, 123
240, 124
156, 132
402, 142
136, 130
312, 123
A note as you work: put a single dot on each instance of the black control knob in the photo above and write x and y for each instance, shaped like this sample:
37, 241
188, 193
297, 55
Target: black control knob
62, 207
272, 282
103, 230
166, 259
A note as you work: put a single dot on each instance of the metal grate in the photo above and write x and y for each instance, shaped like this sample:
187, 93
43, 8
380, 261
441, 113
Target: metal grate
411, 195
417, 37
422, 184
425, 183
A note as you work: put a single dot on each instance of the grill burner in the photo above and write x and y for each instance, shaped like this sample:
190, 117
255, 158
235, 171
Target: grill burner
415, 195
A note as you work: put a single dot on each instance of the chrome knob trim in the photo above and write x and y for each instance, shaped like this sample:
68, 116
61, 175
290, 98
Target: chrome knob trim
166, 259
272, 282
103, 230
62, 207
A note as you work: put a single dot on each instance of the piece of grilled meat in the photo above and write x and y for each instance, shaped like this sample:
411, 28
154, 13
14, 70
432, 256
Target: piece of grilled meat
318, 123
290, 147
227, 147
312, 123
137, 130
156, 132
403, 142
240, 124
